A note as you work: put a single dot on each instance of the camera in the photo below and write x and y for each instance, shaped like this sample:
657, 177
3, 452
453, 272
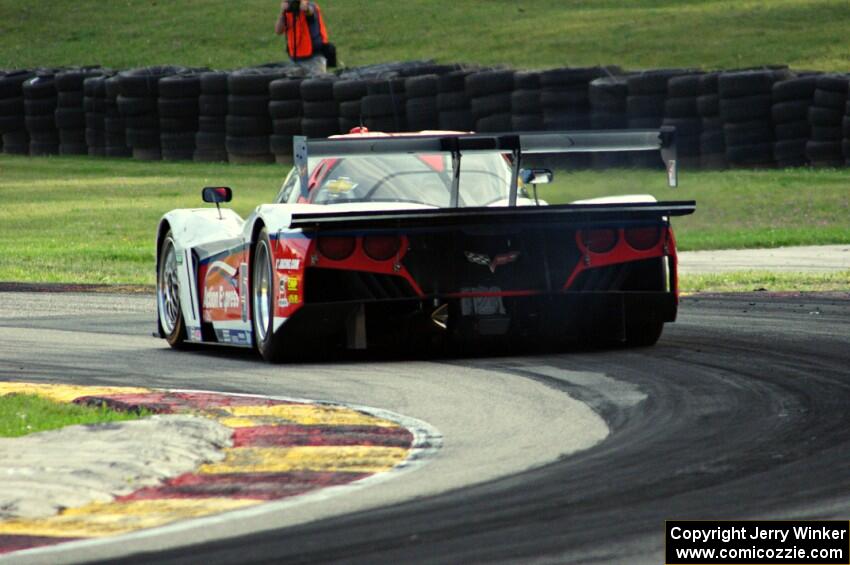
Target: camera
293, 6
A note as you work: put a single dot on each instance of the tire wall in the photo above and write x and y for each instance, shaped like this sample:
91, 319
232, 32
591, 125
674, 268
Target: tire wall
752, 118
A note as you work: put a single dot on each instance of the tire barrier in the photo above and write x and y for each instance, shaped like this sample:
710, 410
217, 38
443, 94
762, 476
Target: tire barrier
16, 139
40, 100
349, 95
384, 107
792, 99
453, 103
826, 116
421, 111
320, 111
210, 143
94, 114
646, 104
137, 100
177, 106
490, 99
761, 117
70, 115
113, 122
526, 112
681, 111
248, 125
712, 144
608, 110
286, 110
746, 104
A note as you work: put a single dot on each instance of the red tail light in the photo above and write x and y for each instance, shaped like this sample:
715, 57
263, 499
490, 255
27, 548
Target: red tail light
644, 237
381, 247
599, 240
336, 248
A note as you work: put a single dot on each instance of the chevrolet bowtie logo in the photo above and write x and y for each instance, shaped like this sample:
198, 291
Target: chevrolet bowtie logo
495, 262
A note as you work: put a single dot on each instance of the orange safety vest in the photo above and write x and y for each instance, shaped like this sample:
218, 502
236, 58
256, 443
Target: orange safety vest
299, 41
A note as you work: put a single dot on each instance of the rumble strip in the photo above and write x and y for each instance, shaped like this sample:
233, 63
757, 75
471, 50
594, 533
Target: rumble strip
282, 448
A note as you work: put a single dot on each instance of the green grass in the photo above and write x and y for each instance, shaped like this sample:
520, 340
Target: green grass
807, 34
735, 209
93, 221
22, 414
749, 281
79, 220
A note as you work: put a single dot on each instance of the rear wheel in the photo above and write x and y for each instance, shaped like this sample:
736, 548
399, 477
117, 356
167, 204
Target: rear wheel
643, 332
262, 296
168, 295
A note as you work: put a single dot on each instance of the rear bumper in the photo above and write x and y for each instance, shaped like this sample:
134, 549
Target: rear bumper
567, 315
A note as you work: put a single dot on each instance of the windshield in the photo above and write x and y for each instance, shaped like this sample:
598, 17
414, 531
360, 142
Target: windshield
422, 179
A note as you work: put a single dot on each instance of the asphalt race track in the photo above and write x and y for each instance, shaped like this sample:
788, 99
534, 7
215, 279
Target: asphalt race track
741, 411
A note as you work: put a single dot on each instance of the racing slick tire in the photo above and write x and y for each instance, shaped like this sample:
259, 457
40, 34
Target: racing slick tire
262, 300
642, 331
168, 307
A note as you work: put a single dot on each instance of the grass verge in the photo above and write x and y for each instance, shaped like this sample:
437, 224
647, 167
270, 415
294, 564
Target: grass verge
749, 281
22, 414
82, 220
806, 34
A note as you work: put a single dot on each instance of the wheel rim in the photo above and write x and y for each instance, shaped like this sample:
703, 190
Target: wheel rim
262, 292
168, 289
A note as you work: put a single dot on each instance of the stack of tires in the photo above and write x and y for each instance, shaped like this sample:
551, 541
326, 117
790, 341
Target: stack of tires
94, 107
845, 142
681, 112
177, 106
16, 140
138, 95
320, 114
421, 109
526, 112
286, 110
248, 124
824, 148
113, 123
453, 103
385, 105
40, 113
712, 145
565, 98
349, 95
607, 97
490, 99
212, 116
646, 104
70, 113
745, 105
792, 99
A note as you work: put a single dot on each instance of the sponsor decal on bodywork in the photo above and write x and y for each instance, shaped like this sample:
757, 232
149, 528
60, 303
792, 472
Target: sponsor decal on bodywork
235, 337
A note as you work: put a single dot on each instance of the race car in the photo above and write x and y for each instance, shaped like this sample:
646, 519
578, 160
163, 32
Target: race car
414, 239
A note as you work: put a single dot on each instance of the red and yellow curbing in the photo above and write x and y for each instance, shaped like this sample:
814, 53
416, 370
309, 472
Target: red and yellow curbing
280, 449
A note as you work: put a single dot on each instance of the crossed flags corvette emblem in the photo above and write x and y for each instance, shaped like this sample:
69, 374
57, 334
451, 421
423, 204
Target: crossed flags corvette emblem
495, 262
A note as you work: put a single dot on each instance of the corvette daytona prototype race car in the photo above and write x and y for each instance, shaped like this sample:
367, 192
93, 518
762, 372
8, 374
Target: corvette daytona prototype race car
413, 239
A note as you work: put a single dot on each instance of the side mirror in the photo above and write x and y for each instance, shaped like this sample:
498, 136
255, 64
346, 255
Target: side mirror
217, 194
536, 176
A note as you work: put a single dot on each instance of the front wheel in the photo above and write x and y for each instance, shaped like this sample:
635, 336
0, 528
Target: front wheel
168, 295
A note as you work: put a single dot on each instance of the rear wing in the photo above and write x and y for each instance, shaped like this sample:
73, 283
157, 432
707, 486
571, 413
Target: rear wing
430, 219
517, 144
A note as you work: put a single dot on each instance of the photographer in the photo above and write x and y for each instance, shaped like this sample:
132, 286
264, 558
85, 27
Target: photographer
306, 35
